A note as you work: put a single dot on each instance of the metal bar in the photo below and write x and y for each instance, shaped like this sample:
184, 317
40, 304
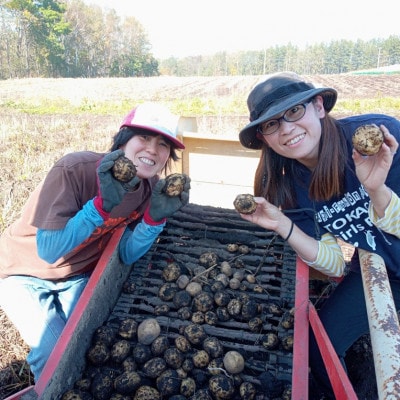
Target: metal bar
383, 324
300, 344
67, 359
340, 382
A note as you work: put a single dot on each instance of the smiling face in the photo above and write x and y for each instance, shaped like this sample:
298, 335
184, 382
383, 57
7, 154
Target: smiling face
300, 139
149, 153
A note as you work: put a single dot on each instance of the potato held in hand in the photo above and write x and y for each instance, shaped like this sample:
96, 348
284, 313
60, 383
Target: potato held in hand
368, 139
245, 204
123, 169
174, 184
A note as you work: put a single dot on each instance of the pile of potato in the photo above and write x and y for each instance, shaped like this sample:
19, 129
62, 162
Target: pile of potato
142, 360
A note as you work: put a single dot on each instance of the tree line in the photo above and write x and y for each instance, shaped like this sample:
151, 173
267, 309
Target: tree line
67, 38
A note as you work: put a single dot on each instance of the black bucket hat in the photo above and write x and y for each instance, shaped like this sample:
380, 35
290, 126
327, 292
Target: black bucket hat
276, 95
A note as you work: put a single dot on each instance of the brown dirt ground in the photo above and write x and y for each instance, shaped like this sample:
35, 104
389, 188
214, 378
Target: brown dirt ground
14, 374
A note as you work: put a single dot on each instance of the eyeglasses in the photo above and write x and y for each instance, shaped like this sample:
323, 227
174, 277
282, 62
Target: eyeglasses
292, 115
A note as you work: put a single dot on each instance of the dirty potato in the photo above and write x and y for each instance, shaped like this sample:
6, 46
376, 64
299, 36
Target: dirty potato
367, 139
245, 204
174, 184
123, 169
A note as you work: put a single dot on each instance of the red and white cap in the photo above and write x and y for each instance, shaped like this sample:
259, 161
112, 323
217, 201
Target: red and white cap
155, 118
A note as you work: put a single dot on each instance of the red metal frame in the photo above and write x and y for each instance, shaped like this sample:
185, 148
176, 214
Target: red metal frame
54, 359
305, 316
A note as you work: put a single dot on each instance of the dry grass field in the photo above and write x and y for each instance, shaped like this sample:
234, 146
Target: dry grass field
86, 115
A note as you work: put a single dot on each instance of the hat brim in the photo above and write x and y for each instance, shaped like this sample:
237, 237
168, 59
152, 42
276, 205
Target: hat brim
248, 135
161, 131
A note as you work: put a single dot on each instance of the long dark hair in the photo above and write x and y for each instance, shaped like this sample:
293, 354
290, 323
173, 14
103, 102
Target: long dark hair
126, 133
275, 175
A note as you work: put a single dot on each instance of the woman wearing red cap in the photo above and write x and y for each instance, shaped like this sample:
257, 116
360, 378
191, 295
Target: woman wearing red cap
312, 187
47, 255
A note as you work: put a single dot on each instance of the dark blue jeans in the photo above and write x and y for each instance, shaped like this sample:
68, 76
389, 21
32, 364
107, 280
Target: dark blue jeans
344, 316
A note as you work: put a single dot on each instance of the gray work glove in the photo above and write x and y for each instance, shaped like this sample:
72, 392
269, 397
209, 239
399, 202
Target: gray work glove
111, 191
162, 205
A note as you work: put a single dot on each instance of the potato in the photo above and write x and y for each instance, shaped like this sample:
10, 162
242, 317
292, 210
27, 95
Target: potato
210, 318
221, 387
255, 324
195, 334
213, 347
198, 317
208, 259
141, 353
168, 383
247, 391
367, 139
182, 344
120, 350
171, 272
104, 334
188, 387
102, 387
287, 342
159, 345
146, 393
174, 184
173, 357
233, 362
154, 367
203, 302
184, 313
287, 320
123, 169
167, 291
148, 330
193, 288
222, 298
98, 354
245, 204
250, 309
128, 328
127, 382
183, 281
200, 358
161, 309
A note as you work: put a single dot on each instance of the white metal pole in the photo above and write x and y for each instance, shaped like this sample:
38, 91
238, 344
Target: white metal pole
383, 325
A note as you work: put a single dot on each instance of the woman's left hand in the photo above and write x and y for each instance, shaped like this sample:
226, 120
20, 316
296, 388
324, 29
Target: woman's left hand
372, 170
162, 205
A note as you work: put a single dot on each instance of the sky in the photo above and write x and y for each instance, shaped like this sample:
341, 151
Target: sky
183, 28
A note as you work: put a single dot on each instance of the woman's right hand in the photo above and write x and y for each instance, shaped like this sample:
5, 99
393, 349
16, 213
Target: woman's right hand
268, 216
111, 191
372, 170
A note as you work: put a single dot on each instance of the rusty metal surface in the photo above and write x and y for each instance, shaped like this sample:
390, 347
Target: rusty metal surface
383, 324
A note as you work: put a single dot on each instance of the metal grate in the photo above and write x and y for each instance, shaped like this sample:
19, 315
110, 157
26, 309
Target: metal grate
194, 231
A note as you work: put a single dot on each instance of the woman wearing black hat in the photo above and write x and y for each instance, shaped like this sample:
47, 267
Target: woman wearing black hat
312, 187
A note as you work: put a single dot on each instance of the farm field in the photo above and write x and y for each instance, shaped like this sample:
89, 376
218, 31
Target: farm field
31, 140
169, 88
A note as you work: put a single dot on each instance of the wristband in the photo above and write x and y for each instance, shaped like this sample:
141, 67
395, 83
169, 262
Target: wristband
98, 203
150, 221
290, 232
